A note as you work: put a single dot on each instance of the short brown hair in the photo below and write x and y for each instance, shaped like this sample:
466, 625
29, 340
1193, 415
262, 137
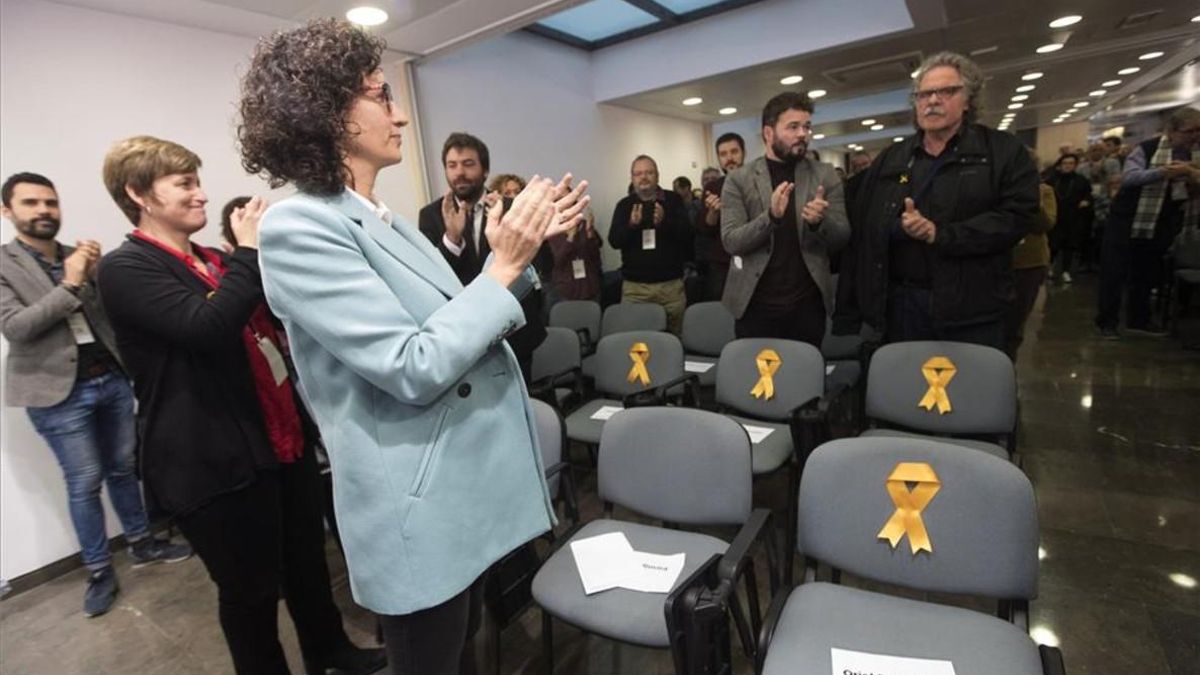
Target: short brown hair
499, 181
139, 161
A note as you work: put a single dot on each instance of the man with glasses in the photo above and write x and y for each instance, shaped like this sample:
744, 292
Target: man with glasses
937, 218
1159, 196
781, 216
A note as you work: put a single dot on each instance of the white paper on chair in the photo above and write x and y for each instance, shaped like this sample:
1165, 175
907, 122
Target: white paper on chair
697, 366
606, 412
846, 661
608, 561
601, 561
757, 434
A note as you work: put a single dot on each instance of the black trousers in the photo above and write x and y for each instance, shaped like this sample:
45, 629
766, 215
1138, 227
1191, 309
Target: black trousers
910, 317
437, 640
805, 322
257, 540
1028, 282
1130, 267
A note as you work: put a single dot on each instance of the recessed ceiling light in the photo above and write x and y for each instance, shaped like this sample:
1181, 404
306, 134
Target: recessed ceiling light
1128, 71
914, 73
818, 137
1149, 55
727, 111
984, 50
816, 93
1052, 47
792, 79
1015, 106
1098, 92
695, 100
897, 139
868, 122
1064, 21
876, 127
1081, 104
1028, 77
1179, 578
366, 16
1021, 97
1196, 19
1025, 87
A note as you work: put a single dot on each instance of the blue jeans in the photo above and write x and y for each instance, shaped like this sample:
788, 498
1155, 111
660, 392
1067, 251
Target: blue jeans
93, 436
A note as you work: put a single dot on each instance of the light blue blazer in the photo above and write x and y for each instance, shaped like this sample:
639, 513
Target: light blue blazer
436, 467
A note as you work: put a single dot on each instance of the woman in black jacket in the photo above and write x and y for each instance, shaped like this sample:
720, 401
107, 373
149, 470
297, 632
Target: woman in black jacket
223, 441
1073, 193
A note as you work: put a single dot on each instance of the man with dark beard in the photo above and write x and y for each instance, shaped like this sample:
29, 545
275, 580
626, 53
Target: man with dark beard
455, 223
781, 217
64, 370
710, 253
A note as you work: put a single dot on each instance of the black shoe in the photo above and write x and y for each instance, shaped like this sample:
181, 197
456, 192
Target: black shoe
101, 592
150, 551
1149, 330
1108, 333
349, 661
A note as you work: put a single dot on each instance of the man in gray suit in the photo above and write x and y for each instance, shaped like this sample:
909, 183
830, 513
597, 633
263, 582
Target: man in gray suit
781, 217
64, 369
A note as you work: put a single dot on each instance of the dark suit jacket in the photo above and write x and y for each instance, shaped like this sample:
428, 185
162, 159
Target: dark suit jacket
468, 266
199, 420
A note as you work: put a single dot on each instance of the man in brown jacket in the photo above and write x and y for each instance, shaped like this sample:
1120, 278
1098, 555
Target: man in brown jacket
1031, 262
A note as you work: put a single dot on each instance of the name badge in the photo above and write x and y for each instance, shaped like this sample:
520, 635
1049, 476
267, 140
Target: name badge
274, 359
648, 240
577, 269
80, 329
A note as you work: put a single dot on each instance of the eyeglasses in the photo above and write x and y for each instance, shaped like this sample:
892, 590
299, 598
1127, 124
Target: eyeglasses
941, 93
385, 94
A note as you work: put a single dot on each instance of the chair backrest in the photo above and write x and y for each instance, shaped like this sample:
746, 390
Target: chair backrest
626, 316
576, 314
681, 465
550, 434
981, 523
799, 378
707, 328
613, 361
982, 392
558, 353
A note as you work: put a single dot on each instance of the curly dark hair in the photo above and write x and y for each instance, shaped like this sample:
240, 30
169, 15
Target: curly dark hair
295, 99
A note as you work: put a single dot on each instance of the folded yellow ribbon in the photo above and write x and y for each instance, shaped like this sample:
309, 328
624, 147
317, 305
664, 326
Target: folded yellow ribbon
640, 354
938, 372
768, 362
909, 504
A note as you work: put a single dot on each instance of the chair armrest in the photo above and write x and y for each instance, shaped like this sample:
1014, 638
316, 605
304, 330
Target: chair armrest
586, 346
738, 553
658, 395
1052, 660
767, 634
567, 486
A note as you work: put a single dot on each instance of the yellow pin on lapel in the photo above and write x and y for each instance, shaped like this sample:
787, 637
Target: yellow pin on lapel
903, 178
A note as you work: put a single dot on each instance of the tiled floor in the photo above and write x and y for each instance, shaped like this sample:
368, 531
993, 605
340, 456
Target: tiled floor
1111, 439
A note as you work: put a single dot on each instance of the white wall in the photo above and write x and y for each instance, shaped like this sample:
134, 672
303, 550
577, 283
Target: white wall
72, 82
531, 101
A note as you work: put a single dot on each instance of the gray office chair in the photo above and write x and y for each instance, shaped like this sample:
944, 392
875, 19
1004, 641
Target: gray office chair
581, 316
625, 317
684, 467
795, 414
613, 365
982, 527
982, 396
707, 328
556, 372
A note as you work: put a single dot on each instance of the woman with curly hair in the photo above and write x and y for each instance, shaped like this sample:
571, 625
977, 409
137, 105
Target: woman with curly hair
226, 447
507, 185
436, 468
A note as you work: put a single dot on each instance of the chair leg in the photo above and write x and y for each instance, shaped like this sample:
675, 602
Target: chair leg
743, 629
793, 517
752, 599
548, 642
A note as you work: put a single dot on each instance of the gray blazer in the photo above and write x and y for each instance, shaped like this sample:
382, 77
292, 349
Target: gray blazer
748, 233
42, 355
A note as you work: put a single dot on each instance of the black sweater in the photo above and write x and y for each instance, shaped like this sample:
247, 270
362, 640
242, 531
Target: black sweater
673, 240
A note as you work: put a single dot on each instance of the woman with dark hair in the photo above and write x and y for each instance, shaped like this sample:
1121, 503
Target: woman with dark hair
1073, 193
436, 468
225, 446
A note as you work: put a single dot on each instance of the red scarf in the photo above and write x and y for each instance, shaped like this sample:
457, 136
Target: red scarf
277, 401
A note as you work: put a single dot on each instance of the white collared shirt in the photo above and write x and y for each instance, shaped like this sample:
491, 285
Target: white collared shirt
477, 213
377, 207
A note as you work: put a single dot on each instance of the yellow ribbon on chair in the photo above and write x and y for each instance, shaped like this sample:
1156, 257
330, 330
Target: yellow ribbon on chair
640, 354
768, 362
909, 504
938, 372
